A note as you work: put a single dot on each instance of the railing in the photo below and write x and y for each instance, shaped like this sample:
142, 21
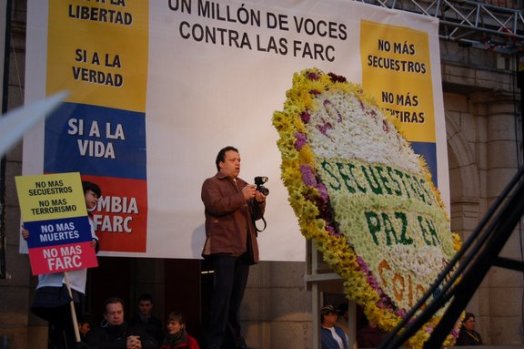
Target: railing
495, 25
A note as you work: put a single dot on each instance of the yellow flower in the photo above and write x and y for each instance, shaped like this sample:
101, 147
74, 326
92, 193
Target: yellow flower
457, 242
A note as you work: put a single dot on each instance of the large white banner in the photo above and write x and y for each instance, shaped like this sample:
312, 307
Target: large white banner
158, 88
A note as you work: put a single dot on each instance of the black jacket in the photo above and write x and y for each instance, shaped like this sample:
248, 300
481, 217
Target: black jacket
115, 337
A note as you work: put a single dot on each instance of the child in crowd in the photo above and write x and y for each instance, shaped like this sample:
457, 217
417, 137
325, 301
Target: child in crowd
177, 337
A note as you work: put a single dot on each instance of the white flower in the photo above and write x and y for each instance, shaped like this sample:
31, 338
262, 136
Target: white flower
343, 126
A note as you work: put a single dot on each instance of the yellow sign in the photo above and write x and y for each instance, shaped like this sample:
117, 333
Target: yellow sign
52, 196
396, 71
102, 56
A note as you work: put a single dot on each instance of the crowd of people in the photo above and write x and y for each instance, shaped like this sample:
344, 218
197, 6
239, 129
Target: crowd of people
144, 331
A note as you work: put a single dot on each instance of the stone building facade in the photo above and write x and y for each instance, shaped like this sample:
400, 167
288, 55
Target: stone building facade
484, 133
484, 136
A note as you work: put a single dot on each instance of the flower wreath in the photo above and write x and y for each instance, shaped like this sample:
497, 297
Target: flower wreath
364, 196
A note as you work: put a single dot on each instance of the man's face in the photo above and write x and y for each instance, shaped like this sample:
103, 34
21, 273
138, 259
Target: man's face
231, 164
145, 308
330, 319
91, 199
114, 314
469, 324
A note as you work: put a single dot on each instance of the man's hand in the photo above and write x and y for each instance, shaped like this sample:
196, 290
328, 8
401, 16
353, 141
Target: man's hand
260, 197
249, 192
133, 342
24, 232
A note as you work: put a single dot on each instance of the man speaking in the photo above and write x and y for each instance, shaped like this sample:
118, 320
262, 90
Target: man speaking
231, 207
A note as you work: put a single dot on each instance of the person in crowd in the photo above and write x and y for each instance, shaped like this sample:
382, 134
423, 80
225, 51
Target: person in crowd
116, 333
331, 336
467, 334
231, 207
52, 299
145, 318
177, 336
84, 327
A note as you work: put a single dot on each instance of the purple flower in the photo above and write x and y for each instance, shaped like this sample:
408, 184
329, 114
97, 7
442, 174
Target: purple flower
305, 116
400, 312
324, 128
312, 76
362, 264
336, 78
332, 230
330, 108
372, 282
385, 126
323, 192
308, 177
300, 140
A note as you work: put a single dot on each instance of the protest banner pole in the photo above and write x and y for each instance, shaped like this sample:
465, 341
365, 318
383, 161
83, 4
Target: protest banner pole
73, 310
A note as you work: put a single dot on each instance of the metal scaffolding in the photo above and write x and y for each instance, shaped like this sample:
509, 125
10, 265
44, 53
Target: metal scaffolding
471, 23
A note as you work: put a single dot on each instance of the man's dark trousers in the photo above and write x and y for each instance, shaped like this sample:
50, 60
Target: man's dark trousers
230, 279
